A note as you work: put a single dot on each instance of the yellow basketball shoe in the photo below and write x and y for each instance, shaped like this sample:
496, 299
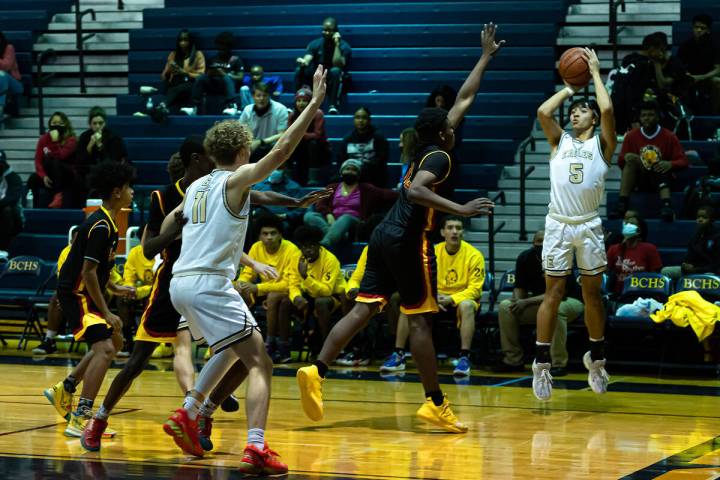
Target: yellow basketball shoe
441, 416
60, 398
76, 426
310, 384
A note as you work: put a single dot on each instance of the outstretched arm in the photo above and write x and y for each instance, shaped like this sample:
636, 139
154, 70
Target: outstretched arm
466, 95
608, 137
546, 115
421, 193
280, 200
253, 173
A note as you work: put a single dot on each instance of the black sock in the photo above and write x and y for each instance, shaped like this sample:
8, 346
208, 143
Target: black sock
400, 351
322, 368
465, 353
597, 349
85, 405
436, 396
69, 384
542, 353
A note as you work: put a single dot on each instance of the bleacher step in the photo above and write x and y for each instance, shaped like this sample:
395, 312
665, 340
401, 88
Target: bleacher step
601, 10
90, 45
110, 17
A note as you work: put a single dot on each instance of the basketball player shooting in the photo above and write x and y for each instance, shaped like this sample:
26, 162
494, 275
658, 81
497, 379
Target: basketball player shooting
579, 162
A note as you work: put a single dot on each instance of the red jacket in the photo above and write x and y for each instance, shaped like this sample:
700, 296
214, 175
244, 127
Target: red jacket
666, 141
56, 150
8, 62
372, 199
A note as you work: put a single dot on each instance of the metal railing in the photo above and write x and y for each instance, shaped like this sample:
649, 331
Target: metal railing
492, 231
524, 173
613, 28
80, 39
41, 59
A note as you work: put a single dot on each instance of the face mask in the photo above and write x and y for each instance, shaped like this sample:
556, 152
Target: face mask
276, 177
630, 230
60, 129
349, 178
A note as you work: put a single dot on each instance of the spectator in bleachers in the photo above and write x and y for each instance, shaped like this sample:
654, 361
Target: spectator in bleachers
460, 279
312, 154
701, 57
703, 255
266, 118
56, 170
632, 254
522, 308
408, 150
257, 75
649, 157
272, 249
334, 54
10, 79
99, 143
183, 66
321, 281
646, 75
280, 182
138, 274
224, 72
11, 216
352, 201
368, 146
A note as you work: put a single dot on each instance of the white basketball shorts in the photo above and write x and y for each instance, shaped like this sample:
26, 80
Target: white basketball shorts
565, 242
214, 310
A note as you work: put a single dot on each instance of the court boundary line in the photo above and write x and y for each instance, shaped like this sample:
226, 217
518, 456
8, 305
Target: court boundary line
678, 461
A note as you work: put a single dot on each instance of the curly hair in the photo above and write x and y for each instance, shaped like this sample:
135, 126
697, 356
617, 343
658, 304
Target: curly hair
107, 176
225, 139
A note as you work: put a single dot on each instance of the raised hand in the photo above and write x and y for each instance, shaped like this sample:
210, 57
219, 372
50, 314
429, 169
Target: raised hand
489, 45
592, 60
314, 197
319, 84
478, 206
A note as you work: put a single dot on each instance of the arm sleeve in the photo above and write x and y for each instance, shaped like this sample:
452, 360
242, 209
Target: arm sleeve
677, 154
63, 151
437, 163
8, 58
97, 246
357, 275
248, 274
293, 276
317, 133
39, 155
476, 279
324, 286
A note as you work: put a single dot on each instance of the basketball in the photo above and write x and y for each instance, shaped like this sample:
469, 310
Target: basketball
573, 67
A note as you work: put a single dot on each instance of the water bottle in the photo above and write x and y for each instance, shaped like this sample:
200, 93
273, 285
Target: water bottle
149, 104
29, 199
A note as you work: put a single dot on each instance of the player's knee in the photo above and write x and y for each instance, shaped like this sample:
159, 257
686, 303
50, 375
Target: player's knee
419, 325
105, 349
274, 299
467, 310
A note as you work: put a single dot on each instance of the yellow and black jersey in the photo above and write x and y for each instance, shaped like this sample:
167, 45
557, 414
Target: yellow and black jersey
96, 241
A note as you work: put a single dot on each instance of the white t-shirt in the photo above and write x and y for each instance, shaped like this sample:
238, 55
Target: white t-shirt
271, 123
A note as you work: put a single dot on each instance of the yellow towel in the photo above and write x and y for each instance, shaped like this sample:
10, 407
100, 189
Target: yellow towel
689, 308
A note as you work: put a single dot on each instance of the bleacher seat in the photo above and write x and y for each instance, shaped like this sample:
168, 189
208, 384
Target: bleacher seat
29, 19
646, 285
51, 220
662, 234
707, 285
46, 246
690, 8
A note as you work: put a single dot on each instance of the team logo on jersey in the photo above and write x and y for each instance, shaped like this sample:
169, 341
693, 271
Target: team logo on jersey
577, 152
650, 155
451, 277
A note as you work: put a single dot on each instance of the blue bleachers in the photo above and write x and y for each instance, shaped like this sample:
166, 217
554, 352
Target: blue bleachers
44, 245
388, 13
504, 127
676, 235
50, 220
25, 19
690, 8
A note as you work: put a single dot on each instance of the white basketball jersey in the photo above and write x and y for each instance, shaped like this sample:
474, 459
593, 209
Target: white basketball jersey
577, 179
213, 237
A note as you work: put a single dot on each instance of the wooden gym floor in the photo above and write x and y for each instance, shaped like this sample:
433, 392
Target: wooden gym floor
644, 428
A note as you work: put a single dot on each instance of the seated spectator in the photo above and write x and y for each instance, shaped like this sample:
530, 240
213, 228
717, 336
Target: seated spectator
257, 75
646, 75
408, 145
352, 202
632, 255
56, 171
224, 72
99, 143
700, 55
272, 249
367, 146
460, 278
183, 66
11, 215
703, 255
321, 282
312, 154
649, 157
280, 182
266, 118
10, 79
334, 54
138, 274
522, 307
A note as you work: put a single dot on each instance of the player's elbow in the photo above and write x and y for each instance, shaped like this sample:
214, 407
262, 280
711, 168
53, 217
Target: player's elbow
414, 193
543, 113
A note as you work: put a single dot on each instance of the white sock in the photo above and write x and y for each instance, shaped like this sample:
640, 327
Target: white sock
256, 438
102, 413
192, 406
208, 408
50, 334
